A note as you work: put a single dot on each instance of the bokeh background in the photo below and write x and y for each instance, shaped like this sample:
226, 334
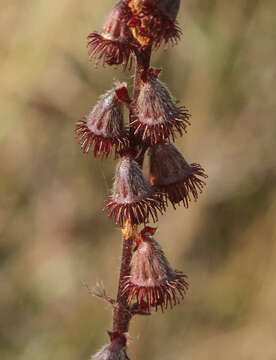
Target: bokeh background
54, 236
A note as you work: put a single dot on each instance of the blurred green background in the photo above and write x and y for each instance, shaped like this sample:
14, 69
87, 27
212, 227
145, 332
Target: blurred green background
53, 233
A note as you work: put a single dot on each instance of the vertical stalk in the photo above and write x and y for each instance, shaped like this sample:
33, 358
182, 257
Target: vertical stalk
121, 313
142, 64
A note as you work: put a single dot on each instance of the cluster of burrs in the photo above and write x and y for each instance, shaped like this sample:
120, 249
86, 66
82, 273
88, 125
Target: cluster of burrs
132, 29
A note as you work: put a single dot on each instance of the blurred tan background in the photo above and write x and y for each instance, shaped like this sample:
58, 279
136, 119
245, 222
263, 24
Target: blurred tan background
53, 233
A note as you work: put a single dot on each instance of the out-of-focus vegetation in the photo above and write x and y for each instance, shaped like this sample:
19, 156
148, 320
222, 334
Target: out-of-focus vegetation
54, 235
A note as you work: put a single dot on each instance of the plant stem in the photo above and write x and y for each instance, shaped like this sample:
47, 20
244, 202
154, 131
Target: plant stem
122, 313
142, 64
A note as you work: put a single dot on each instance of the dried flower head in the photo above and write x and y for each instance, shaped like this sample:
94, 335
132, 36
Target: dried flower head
115, 43
133, 198
104, 126
116, 350
172, 175
152, 282
156, 116
153, 22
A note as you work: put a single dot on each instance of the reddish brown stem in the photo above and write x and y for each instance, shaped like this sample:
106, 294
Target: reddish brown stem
122, 313
142, 64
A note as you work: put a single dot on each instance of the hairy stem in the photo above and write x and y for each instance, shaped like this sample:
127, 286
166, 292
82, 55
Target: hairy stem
142, 64
122, 313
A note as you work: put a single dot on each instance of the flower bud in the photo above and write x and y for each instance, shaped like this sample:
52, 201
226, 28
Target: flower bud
133, 198
173, 176
154, 22
104, 126
115, 43
152, 282
116, 350
156, 116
